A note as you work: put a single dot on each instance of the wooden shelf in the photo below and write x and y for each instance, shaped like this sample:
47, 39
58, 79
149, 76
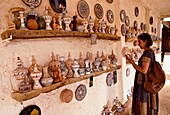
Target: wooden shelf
34, 93
130, 39
35, 34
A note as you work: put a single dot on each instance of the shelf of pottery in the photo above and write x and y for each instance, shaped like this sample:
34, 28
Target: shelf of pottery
32, 25
32, 81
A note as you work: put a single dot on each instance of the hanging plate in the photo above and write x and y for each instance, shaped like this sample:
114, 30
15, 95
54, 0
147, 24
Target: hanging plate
35, 3
122, 15
145, 27
115, 77
128, 72
142, 26
66, 95
109, 79
127, 21
123, 29
136, 11
98, 10
31, 110
83, 9
151, 20
110, 16
80, 92
109, 1
135, 25
58, 5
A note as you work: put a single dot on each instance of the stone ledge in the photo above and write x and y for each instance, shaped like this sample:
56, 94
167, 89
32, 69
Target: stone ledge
35, 34
34, 93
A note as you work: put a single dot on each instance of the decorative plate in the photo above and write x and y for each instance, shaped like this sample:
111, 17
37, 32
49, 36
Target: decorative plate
123, 29
35, 3
127, 72
58, 5
110, 16
115, 77
31, 110
136, 11
122, 15
109, 79
152, 29
83, 9
127, 21
80, 92
142, 26
151, 20
98, 10
109, 1
66, 95
135, 25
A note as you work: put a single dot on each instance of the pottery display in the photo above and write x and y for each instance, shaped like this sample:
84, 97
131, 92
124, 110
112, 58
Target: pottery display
91, 61
85, 24
36, 76
104, 65
41, 23
83, 9
103, 58
103, 26
81, 61
22, 18
74, 23
75, 68
81, 71
69, 62
62, 66
66, 95
15, 16
80, 92
46, 80
98, 10
31, 68
91, 24
60, 22
32, 14
54, 67
47, 19
113, 59
20, 74
67, 21
87, 67
110, 16
109, 79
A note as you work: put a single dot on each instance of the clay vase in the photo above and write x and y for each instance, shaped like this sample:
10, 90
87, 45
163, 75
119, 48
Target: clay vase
32, 24
47, 79
41, 23
69, 64
36, 76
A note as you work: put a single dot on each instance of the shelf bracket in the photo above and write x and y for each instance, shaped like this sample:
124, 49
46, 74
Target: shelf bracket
7, 40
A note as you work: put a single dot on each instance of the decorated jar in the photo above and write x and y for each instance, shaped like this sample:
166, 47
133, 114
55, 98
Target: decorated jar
69, 62
67, 21
48, 19
75, 68
46, 80
21, 83
36, 76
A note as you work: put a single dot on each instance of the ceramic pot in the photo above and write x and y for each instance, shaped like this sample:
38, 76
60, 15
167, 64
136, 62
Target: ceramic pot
47, 79
36, 76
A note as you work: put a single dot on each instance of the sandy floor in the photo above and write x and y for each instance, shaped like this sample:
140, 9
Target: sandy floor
164, 97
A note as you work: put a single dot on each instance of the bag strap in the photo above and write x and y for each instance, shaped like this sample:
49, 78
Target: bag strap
154, 60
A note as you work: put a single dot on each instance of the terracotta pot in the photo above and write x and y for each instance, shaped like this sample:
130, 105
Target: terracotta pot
32, 24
